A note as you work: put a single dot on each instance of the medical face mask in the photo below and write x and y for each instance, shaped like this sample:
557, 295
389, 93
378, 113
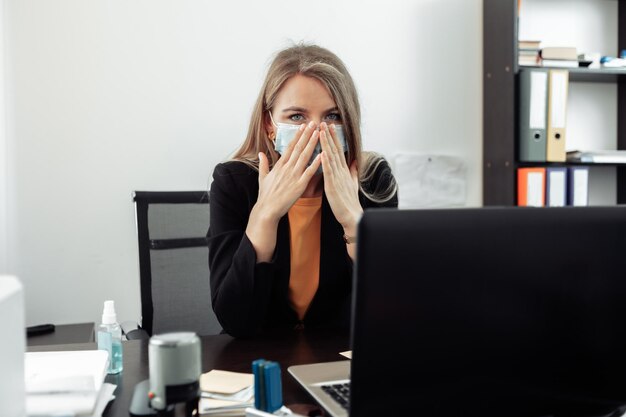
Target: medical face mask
286, 133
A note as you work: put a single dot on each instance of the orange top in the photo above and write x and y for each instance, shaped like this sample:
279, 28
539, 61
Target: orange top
305, 223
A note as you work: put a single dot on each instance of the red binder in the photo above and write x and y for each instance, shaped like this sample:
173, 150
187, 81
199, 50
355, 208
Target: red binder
531, 186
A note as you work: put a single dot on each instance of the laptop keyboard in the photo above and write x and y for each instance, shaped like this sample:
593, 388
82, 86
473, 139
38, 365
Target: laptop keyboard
339, 392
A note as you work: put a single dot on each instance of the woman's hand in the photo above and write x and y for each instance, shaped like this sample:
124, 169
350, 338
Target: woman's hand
284, 184
341, 183
279, 189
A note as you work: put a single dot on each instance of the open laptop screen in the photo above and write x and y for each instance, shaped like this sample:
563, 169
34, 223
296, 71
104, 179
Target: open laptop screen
490, 311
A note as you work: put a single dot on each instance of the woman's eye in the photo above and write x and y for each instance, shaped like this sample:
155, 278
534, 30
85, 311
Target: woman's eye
296, 118
334, 116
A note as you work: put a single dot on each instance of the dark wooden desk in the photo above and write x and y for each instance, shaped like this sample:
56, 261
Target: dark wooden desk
64, 334
226, 353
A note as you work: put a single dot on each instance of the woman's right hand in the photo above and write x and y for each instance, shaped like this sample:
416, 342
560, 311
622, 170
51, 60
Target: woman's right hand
280, 188
284, 184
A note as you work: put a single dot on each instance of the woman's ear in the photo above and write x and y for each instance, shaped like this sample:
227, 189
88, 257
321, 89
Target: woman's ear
270, 130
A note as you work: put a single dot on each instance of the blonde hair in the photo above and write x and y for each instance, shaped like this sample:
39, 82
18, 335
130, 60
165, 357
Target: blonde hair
319, 63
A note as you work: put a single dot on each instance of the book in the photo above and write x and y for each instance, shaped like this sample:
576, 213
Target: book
225, 392
598, 157
559, 63
529, 44
65, 382
559, 52
529, 61
528, 55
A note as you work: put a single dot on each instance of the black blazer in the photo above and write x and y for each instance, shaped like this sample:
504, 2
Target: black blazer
249, 297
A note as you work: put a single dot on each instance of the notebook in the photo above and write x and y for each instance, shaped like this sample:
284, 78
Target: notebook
65, 383
491, 311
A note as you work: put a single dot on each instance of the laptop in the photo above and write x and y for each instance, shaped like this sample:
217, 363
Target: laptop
495, 311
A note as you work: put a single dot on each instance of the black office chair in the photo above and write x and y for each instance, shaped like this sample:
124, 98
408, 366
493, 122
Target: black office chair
173, 262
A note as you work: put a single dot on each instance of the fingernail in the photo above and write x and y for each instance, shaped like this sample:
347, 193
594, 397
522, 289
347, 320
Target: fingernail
302, 126
311, 124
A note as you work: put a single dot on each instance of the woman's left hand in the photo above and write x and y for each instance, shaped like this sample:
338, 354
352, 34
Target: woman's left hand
341, 183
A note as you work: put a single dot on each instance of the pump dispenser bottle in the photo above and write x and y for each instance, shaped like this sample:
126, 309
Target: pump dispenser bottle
110, 337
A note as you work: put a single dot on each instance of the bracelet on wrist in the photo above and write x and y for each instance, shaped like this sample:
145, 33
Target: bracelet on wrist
349, 239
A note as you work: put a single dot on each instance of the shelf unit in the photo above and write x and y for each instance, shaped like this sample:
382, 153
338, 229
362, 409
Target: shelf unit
500, 133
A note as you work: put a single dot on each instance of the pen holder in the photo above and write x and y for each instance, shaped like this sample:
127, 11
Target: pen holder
268, 390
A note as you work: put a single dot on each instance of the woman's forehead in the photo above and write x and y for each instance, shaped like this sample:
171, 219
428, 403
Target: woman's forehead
304, 92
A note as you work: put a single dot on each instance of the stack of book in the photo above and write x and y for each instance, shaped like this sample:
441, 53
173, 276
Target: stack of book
226, 393
67, 383
529, 53
559, 56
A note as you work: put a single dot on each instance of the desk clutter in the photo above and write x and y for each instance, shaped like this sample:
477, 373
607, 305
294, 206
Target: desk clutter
176, 383
71, 383
67, 383
233, 392
256, 394
226, 392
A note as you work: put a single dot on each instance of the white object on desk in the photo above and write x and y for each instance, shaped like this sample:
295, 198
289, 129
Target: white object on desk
64, 383
12, 347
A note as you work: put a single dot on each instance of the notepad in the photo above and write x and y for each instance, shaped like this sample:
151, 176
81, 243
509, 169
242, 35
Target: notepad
66, 382
225, 382
226, 392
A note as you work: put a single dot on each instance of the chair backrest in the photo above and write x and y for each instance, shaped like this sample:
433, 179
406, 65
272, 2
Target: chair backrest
173, 261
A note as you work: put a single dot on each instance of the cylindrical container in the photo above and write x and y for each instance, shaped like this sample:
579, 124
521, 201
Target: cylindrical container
175, 363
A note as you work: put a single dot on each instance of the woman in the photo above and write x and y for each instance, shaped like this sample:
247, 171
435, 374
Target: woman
284, 210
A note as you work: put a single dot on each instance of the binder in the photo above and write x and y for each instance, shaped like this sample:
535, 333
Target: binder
533, 115
531, 187
557, 115
578, 186
556, 186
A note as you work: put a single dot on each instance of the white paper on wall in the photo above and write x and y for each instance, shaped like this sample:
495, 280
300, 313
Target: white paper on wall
430, 181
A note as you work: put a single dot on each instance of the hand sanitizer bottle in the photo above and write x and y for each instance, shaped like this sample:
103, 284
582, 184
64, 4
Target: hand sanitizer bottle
110, 337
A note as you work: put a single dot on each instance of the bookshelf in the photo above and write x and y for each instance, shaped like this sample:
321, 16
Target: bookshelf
500, 71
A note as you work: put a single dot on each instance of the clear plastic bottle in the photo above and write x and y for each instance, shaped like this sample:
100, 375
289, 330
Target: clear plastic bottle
110, 337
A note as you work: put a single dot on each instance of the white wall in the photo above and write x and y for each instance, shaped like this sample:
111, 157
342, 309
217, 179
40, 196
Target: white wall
4, 181
113, 96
